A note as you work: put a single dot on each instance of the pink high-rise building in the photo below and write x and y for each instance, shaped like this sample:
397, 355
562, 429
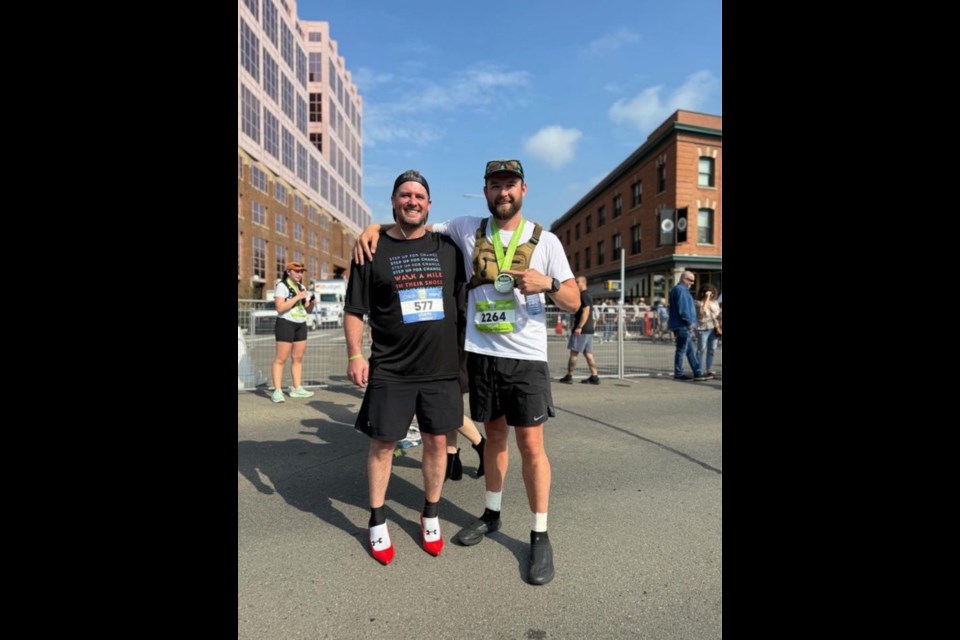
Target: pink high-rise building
299, 148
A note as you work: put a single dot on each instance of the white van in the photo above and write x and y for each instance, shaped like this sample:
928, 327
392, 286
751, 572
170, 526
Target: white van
328, 309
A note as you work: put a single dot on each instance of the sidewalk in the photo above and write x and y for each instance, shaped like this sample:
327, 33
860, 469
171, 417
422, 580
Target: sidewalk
635, 522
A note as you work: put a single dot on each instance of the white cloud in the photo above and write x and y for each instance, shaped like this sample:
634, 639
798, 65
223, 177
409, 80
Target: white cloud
612, 41
648, 109
554, 145
367, 79
405, 114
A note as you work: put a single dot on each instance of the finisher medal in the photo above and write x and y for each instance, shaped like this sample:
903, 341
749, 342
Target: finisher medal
504, 283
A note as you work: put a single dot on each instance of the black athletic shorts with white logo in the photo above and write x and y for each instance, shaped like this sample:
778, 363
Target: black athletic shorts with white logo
517, 389
388, 407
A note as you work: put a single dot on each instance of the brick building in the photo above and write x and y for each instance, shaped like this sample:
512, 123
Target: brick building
299, 148
662, 205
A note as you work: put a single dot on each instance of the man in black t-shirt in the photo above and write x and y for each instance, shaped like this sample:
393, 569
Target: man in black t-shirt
581, 336
410, 292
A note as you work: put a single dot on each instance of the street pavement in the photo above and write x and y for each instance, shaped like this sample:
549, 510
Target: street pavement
635, 520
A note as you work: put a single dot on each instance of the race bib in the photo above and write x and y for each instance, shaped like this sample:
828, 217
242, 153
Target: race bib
421, 305
496, 316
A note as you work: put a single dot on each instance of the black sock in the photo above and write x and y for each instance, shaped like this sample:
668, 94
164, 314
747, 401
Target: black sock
489, 515
431, 509
538, 536
378, 515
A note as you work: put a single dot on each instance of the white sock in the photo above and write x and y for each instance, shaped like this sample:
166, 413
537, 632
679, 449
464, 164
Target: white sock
538, 522
379, 537
493, 500
431, 529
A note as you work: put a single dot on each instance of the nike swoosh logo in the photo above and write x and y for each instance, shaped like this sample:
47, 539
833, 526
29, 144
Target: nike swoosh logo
536, 418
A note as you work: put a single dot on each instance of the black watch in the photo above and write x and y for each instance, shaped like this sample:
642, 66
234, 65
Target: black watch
555, 286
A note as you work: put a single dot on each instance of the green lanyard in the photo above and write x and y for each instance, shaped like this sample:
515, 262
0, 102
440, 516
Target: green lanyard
295, 289
504, 261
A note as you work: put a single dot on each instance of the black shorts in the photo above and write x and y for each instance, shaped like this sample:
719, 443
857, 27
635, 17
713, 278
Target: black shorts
517, 389
388, 407
289, 331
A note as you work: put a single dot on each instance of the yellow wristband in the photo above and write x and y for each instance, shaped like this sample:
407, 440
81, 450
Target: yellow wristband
351, 358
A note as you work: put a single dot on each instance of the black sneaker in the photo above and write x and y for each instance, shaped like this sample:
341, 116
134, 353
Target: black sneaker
701, 377
474, 532
683, 377
591, 380
567, 379
540, 565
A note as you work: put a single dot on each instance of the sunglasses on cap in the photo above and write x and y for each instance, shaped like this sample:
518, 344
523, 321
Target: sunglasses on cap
513, 166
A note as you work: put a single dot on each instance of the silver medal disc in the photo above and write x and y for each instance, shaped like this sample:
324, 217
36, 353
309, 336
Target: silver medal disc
503, 283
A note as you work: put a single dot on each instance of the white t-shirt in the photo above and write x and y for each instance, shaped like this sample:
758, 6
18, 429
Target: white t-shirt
295, 313
529, 338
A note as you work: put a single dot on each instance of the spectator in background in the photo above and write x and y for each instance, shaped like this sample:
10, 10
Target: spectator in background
683, 322
293, 302
708, 327
581, 337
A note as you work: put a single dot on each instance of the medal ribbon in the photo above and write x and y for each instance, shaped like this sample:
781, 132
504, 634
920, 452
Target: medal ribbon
504, 261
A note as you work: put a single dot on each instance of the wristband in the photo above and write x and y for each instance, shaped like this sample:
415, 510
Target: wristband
352, 358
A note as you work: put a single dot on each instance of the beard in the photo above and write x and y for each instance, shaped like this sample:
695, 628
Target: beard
505, 210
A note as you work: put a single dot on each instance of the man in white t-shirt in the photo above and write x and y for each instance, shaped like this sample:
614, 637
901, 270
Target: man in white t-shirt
506, 344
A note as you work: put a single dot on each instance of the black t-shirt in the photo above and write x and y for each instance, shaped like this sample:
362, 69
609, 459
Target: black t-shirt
585, 301
410, 292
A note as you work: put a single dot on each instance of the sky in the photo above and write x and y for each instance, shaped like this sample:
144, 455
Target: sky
568, 88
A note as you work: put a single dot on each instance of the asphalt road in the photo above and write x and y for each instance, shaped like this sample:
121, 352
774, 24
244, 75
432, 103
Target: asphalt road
635, 521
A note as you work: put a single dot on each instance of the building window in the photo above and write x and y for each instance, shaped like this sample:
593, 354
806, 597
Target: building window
314, 174
661, 178
281, 261
637, 189
270, 76
280, 223
301, 162
635, 239
250, 107
249, 51
315, 36
286, 44
298, 204
260, 258
280, 193
312, 243
239, 166
258, 179
617, 206
324, 271
270, 21
288, 158
315, 66
586, 258
317, 140
271, 137
324, 222
577, 231
615, 241
576, 261
301, 67
302, 116
601, 216
589, 224
286, 96
313, 268
600, 253
568, 236
259, 213
705, 177
298, 257
705, 226
316, 107
312, 214
325, 245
